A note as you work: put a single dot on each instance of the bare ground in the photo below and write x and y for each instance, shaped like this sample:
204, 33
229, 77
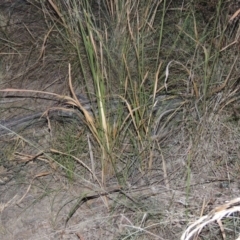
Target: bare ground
36, 198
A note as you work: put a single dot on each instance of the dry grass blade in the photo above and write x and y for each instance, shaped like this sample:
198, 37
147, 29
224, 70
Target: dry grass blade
74, 101
26, 157
32, 91
69, 100
131, 112
5, 205
216, 215
77, 103
235, 15
58, 12
44, 43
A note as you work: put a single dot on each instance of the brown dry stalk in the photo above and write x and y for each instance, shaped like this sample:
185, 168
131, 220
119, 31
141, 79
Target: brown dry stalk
235, 15
216, 214
56, 9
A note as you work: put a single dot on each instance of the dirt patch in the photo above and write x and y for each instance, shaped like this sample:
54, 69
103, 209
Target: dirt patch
36, 200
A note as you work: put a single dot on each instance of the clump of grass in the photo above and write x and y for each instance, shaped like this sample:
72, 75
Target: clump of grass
130, 58
104, 59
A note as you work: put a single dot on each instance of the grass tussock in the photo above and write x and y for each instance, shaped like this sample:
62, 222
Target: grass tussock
163, 87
